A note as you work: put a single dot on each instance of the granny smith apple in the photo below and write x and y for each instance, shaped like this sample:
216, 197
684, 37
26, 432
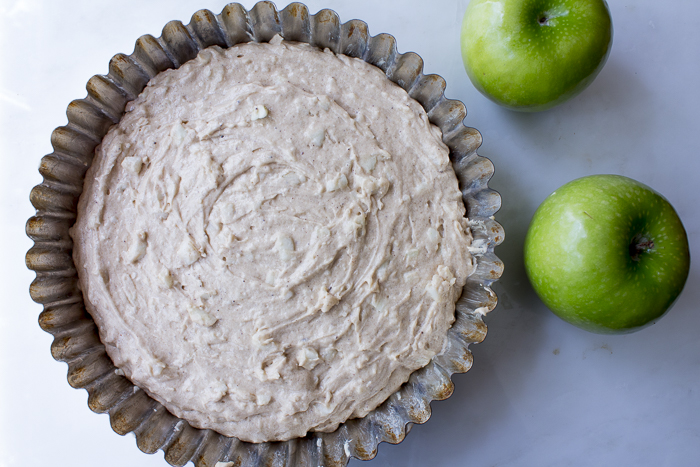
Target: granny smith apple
531, 55
607, 253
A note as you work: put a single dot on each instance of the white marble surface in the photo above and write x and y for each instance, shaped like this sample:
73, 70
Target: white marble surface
541, 392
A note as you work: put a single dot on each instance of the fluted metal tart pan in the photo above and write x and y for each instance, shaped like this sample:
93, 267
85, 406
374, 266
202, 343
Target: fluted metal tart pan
76, 340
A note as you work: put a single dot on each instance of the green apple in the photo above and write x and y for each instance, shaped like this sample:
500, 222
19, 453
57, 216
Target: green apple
607, 253
531, 55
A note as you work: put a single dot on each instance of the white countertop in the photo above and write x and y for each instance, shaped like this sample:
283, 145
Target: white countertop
541, 392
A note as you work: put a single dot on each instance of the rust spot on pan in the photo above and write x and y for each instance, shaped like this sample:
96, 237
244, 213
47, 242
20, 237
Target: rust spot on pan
444, 391
295, 10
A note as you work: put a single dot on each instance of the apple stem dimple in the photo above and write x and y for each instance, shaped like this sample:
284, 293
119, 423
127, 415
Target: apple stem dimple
543, 20
640, 245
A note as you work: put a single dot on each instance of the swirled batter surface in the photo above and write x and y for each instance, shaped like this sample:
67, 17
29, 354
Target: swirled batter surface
271, 240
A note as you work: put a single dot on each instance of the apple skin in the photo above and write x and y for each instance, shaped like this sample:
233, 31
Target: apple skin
607, 254
531, 55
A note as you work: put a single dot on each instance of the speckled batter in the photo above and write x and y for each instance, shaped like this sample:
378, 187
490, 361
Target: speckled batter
271, 240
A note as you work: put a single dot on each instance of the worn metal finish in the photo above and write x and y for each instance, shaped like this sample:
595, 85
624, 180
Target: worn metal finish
76, 340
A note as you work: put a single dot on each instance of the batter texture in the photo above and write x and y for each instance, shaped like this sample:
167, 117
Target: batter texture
271, 240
